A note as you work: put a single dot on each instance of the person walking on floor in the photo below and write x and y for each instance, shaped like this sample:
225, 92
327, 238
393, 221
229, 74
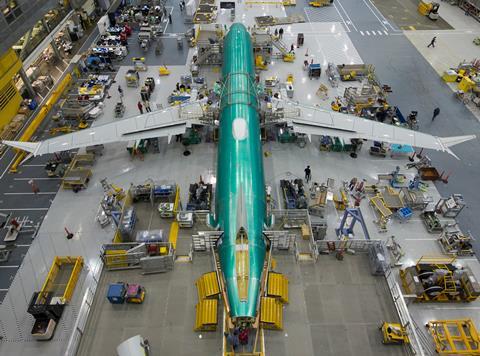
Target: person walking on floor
292, 48
146, 103
436, 112
140, 107
275, 32
432, 42
169, 18
181, 8
120, 91
308, 174
280, 33
34, 186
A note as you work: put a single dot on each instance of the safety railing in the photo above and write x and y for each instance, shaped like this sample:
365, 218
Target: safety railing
352, 244
85, 308
415, 346
130, 255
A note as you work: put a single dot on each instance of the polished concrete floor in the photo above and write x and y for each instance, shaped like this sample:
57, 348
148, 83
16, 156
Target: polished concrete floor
335, 309
406, 16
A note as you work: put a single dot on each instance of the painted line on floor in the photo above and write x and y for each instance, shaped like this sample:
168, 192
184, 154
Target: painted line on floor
368, 33
24, 209
24, 245
31, 193
8, 166
346, 14
361, 32
456, 308
33, 165
40, 178
9, 266
3, 289
343, 20
386, 33
371, 7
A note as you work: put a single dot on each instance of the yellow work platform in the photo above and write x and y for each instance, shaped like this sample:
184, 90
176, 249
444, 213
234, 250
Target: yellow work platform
271, 313
62, 278
206, 316
455, 337
278, 287
207, 286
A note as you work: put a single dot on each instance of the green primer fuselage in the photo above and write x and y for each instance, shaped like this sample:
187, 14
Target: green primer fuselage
240, 196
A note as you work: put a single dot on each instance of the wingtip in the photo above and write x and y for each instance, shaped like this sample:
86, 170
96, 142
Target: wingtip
31, 147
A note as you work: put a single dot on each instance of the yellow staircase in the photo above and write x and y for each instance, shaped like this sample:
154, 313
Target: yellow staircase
207, 286
277, 287
206, 316
271, 313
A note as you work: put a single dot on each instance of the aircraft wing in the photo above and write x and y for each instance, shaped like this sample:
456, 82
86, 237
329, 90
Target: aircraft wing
162, 123
316, 121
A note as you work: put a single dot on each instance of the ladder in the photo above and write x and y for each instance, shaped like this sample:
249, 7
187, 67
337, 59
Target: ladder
449, 283
279, 45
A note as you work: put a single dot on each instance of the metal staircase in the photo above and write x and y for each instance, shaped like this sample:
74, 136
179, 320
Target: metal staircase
280, 45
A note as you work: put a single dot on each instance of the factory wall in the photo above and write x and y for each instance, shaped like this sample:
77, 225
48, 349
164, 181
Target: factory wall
29, 13
10, 99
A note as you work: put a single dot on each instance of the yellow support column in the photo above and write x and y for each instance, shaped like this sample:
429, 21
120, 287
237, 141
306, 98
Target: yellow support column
28, 133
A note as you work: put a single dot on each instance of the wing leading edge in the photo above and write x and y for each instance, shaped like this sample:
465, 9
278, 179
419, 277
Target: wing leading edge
163, 123
315, 121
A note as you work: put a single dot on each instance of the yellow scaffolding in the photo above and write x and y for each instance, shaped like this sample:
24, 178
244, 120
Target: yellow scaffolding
455, 337
62, 278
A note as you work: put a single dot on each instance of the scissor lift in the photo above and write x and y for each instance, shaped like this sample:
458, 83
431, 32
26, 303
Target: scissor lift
455, 337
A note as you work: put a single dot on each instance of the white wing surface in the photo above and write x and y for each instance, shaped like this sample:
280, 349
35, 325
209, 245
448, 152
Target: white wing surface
316, 121
162, 123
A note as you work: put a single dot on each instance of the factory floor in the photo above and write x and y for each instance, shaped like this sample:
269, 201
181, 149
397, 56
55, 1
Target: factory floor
406, 16
353, 32
322, 318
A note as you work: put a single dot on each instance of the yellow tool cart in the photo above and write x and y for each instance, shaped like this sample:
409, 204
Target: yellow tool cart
394, 333
320, 3
429, 9
466, 84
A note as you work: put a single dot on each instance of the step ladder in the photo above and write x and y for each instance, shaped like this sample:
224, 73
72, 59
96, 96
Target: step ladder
280, 45
449, 284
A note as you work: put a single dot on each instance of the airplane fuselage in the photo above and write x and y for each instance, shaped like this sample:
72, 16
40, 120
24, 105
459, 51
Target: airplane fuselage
240, 196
